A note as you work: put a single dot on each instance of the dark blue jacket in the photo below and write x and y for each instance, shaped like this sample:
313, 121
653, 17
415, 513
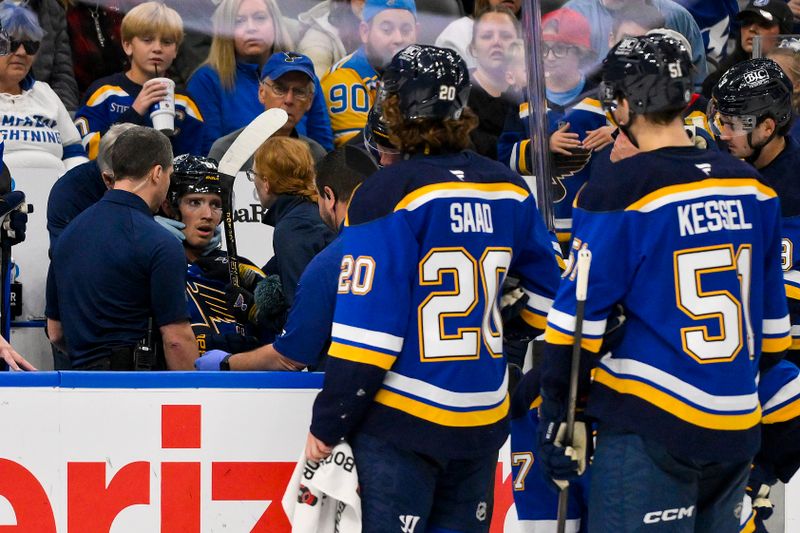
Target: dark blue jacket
299, 235
79, 188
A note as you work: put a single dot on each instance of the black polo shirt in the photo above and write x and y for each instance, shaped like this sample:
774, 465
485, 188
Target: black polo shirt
114, 267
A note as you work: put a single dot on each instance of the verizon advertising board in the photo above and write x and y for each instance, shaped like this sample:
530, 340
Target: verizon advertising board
171, 453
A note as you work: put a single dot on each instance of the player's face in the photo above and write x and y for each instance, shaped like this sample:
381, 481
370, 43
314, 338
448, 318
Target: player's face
390, 31
254, 30
151, 55
495, 32
292, 92
756, 26
202, 213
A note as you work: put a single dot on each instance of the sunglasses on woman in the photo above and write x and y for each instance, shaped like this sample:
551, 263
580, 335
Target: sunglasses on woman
31, 47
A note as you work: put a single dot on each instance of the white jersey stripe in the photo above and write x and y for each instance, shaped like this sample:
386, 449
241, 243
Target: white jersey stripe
594, 328
378, 339
678, 387
784, 394
464, 193
444, 396
776, 326
682, 196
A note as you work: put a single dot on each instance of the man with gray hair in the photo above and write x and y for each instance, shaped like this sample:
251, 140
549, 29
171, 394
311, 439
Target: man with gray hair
130, 274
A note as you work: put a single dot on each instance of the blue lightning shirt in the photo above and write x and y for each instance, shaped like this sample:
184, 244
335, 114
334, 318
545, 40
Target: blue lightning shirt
782, 175
417, 340
688, 241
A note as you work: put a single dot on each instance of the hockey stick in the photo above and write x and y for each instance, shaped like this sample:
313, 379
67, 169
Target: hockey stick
582, 268
242, 149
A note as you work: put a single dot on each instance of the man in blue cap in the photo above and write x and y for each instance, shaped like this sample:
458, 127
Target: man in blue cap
287, 82
388, 26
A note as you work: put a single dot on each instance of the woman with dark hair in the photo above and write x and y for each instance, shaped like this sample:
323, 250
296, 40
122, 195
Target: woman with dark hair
332, 32
458, 34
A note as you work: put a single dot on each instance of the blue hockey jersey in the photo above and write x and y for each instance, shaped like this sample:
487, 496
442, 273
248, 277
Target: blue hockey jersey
417, 339
783, 175
513, 148
688, 241
110, 100
535, 499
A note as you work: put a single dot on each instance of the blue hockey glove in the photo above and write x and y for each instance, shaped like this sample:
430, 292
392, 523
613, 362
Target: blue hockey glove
758, 487
215, 241
211, 360
174, 227
560, 463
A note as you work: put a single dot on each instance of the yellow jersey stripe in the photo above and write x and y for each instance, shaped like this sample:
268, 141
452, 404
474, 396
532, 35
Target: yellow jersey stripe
686, 191
104, 92
453, 188
792, 292
784, 414
532, 319
553, 336
190, 107
442, 417
535, 403
674, 406
361, 355
521, 166
776, 345
750, 525
93, 146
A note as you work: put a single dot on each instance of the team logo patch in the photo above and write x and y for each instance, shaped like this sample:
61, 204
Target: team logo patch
626, 46
408, 523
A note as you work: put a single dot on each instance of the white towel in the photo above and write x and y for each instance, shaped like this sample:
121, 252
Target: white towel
323, 497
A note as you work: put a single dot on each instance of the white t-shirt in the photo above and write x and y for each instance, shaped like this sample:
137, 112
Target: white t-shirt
38, 131
457, 36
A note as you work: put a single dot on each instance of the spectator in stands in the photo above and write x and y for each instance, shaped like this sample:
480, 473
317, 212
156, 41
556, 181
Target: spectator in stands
493, 32
576, 122
53, 63
246, 34
388, 27
759, 17
284, 180
332, 32
789, 60
600, 14
151, 34
94, 34
633, 21
288, 83
36, 127
458, 34
714, 20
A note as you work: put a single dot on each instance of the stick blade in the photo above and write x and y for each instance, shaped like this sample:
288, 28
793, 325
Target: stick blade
252, 136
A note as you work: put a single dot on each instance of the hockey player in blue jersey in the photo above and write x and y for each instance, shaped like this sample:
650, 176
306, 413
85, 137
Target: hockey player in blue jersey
752, 113
416, 380
688, 241
194, 207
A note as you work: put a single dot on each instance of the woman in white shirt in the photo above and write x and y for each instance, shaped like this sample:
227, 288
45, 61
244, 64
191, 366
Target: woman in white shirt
35, 126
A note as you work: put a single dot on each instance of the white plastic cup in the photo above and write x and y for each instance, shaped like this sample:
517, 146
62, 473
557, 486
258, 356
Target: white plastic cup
162, 113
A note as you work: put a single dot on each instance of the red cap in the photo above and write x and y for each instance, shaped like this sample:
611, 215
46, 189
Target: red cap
566, 26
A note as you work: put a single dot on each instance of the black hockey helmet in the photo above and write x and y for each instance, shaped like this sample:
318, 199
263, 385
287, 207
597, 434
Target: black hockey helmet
376, 133
193, 174
653, 72
749, 92
431, 82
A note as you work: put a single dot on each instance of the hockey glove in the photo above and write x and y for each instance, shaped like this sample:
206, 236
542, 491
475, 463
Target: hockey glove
758, 487
560, 463
174, 227
242, 303
232, 342
18, 223
215, 241
271, 303
212, 360
615, 330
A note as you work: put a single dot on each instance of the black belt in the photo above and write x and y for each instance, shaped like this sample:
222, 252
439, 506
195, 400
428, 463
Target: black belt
122, 358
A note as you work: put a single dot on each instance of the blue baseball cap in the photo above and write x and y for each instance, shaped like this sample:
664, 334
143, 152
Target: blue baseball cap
373, 7
280, 63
